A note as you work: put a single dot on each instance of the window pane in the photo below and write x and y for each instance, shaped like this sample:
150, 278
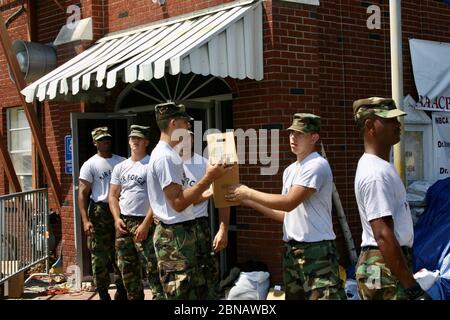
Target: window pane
20, 140
414, 155
19, 143
17, 118
22, 162
22, 119
25, 183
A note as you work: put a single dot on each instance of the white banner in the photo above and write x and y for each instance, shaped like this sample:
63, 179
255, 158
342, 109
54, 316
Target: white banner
431, 68
441, 144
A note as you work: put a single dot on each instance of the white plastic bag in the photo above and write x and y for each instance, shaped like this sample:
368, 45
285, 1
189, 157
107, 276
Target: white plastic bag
351, 289
426, 278
250, 286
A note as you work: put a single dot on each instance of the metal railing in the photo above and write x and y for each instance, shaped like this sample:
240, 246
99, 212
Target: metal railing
23, 232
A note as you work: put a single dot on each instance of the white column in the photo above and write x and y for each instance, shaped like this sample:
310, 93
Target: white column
395, 13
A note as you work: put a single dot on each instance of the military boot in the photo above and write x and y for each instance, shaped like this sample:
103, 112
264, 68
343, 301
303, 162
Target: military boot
121, 293
104, 295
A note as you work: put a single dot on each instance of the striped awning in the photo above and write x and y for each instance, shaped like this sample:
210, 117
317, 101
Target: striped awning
224, 42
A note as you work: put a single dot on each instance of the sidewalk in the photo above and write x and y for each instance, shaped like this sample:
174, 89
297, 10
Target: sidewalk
39, 290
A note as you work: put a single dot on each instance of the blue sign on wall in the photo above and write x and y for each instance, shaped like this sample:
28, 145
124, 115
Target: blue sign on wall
68, 153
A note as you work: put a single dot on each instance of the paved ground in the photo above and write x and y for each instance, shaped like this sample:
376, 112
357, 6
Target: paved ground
82, 295
36, 290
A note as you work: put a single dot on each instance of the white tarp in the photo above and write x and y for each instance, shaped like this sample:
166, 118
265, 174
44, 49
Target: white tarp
431, 67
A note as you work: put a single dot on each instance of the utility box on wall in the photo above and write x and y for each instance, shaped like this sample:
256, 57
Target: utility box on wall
418, 139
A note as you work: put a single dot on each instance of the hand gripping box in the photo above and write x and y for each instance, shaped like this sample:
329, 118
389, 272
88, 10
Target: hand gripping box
221, 147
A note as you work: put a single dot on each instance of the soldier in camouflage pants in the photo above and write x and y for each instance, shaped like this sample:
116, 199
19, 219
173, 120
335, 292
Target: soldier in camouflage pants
133, 217
178, 261
311, 271
375, 280
175, 235
101, 246
384, 271
207, 260
128, 253
98, 223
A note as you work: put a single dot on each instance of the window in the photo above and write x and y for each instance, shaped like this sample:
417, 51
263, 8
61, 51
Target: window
19, 146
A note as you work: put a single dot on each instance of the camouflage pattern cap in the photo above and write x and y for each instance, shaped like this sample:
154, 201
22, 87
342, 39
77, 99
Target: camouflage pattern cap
171, 110
139, 131
100, 132
305, 122
381, 107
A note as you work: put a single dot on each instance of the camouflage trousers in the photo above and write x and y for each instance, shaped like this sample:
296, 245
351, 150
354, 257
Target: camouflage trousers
101, 246
136, 259
176, 251
375, 280
207, 260
311, 271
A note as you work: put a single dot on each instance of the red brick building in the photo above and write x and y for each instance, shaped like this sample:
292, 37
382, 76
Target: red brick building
316, 57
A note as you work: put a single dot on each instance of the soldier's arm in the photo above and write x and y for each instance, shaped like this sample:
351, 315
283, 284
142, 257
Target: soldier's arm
296, 195
383, 231
221, 239
144, 227
113, 200
83, 201
180, 199
277, 215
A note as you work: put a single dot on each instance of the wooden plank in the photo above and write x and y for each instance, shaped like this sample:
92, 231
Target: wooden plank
31, 115
9, 168
31, 12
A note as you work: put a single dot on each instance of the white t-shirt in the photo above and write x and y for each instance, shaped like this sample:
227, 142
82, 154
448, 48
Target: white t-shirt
311, 220
195, 169
97, 171
380, 192
165, 167
131, 176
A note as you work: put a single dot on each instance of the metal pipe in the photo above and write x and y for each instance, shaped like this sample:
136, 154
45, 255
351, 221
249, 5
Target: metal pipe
350, 244
397, 79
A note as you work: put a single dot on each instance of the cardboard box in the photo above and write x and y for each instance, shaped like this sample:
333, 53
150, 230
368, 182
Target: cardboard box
16, 285
221, 147
13, 286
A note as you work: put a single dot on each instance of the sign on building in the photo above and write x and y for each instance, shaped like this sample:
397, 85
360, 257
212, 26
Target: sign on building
68, 153
431, 68
441, 144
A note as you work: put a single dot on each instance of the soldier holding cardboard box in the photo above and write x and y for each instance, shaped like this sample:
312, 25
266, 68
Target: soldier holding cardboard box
175, 237
311, 268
